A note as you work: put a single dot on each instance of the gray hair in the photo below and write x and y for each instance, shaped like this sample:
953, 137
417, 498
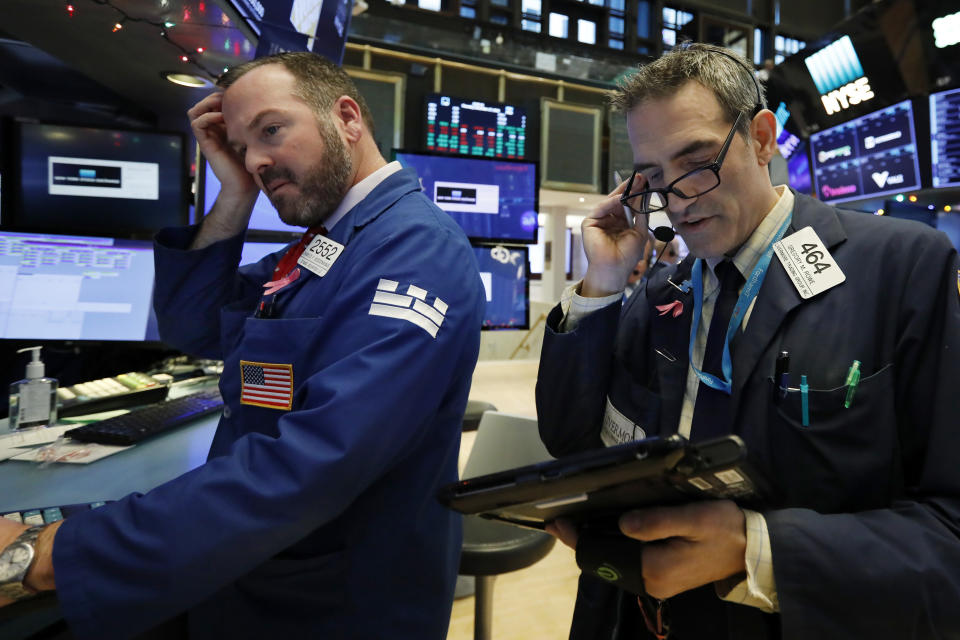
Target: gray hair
725, 73
319, 82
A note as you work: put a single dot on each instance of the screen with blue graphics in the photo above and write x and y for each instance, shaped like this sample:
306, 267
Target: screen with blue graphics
873, 155
492, 200
505, 281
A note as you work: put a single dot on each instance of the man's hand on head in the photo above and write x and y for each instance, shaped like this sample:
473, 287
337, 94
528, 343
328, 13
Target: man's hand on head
209, 128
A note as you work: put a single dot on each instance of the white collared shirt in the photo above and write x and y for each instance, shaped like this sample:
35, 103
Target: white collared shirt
360, 191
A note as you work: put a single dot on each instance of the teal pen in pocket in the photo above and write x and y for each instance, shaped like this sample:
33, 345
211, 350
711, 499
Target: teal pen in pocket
804, 401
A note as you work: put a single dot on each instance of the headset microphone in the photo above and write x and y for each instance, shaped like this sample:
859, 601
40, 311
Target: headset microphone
663, 234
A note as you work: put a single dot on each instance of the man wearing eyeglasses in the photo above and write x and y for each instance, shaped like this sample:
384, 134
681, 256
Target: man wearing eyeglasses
761, 332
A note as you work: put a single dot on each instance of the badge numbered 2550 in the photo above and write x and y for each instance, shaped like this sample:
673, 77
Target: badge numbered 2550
808, 263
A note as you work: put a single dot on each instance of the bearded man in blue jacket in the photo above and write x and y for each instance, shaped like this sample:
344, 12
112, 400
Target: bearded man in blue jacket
347, 365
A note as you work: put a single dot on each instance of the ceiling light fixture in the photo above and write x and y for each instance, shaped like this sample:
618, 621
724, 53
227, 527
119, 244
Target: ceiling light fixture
187, 80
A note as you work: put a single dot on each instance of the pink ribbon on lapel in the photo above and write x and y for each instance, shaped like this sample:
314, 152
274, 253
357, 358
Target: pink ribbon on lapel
275, 285
675, 308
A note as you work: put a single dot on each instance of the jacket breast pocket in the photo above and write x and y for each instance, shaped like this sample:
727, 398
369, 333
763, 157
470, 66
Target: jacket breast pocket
837, 457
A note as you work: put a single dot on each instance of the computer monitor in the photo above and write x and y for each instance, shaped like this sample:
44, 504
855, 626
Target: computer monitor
60, 287
492, 200
254, 251
945, 138
505, 280
872, 155
264, 217
98, 181
320, 27
475, 128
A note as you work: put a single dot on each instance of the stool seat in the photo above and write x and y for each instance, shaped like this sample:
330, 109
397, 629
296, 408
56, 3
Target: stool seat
473, 413
491, 547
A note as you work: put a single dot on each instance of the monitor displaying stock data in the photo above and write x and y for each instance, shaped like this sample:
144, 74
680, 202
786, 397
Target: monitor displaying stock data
475, 128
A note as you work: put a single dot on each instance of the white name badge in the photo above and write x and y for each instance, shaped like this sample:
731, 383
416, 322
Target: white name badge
618, 428
320, 255
808, 263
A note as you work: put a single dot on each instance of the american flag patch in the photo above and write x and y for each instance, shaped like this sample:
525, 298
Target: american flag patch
411, 305
266, 385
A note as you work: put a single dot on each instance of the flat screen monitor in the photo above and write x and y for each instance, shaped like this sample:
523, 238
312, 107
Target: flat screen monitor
255, 251
795, 151
60, 287
99, 181
264, 217
538, 254
492, 200
873, 155
505, 280
945, 138
295, 25
474, 128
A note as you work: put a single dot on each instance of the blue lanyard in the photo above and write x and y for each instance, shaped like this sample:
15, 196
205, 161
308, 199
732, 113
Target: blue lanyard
747, 295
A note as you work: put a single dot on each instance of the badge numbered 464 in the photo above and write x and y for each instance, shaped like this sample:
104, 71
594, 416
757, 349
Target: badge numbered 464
320, 255
808, 263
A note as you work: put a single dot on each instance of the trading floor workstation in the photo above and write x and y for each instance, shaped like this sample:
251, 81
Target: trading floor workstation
516, 152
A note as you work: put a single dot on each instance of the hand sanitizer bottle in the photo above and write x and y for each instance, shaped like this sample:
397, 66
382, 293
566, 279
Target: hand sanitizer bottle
33, 400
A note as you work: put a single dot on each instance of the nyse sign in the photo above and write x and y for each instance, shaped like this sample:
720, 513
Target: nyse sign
849, 94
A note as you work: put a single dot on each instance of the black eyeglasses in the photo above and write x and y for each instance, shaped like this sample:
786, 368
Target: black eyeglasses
689, 185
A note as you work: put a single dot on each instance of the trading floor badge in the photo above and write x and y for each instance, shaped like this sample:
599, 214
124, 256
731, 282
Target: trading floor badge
266, 385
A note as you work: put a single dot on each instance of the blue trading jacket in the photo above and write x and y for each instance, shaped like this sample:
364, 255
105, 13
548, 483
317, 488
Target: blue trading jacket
319, 521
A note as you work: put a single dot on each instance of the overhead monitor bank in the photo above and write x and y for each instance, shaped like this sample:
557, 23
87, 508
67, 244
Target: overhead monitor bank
873, 155
475, 128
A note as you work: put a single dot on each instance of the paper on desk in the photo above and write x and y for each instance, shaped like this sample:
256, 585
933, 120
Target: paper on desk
11, 443
71, 452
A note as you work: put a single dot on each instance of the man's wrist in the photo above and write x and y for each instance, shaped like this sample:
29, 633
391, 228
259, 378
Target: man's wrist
596, 285
40, 576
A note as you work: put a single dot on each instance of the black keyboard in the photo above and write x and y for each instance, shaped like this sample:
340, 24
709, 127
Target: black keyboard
140, 424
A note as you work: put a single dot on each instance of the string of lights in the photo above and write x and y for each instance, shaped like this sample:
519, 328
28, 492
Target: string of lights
188, 56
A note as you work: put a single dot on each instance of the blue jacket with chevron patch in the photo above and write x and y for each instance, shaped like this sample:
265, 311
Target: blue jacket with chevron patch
318, 521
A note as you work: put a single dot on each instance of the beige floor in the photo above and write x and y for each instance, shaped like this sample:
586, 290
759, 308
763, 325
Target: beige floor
535, 603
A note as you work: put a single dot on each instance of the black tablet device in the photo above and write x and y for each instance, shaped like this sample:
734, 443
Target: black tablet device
603, 483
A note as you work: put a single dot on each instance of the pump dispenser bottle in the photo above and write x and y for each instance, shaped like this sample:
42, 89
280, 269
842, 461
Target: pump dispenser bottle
33, 400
